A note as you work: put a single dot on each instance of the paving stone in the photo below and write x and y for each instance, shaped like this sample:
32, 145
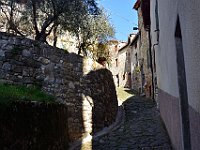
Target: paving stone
142, 129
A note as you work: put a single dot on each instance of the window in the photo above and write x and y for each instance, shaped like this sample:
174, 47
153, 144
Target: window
135, 45
136, 57
124, 76
116, 62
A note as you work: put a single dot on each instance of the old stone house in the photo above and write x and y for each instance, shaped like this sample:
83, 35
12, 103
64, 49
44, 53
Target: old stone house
130, 69
144, 52
124, 66
175, 41
122, 62
132, 64
117, 62
129, 64
135, 60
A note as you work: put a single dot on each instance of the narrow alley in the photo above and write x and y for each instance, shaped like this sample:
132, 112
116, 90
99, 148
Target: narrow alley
99, 75
141, 129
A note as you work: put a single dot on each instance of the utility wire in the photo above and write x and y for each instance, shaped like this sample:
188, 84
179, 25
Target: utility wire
122, 17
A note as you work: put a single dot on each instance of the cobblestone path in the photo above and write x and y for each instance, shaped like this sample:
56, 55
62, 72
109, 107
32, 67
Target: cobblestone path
141, 129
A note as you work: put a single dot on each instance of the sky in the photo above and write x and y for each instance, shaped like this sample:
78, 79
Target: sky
122, 16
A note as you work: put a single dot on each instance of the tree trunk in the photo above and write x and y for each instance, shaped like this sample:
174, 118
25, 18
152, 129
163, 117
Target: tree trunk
55, 36
79, 50
41, 37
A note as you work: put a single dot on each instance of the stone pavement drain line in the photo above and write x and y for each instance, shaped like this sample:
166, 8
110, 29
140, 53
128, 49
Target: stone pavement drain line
119, 120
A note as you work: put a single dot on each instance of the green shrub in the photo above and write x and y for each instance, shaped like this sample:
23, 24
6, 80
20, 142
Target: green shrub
10, 93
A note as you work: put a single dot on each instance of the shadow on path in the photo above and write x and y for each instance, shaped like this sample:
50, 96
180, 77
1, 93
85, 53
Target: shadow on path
142, 129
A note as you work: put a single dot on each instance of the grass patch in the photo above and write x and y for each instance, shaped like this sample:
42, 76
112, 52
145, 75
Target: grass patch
10, 93
123, 94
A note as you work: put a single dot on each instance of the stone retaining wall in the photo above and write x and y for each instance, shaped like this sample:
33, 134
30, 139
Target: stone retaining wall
81, 84
33, 125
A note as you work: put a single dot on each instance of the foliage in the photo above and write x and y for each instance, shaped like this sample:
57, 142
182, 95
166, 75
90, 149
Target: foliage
9, 16
44, 19
9, 93
137, 69
94, 31
41, 17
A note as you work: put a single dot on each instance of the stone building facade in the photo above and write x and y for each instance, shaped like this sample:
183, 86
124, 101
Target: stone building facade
131, 62
144, 53
119, 65
128, 61
113, 56
124, 66
84, 86
136, 76
175, 40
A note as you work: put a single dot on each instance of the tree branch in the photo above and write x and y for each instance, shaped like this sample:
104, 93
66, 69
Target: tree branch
35, 17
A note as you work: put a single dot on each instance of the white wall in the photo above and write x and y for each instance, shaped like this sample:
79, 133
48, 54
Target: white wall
189, 14
190, 23
165, 51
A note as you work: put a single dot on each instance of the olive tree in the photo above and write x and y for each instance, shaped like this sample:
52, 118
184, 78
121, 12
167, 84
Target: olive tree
41, 17
93, 31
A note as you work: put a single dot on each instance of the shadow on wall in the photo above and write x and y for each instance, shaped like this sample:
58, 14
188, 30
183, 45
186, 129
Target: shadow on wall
84, 86
92, 100
103, 94
33, 126
100, 104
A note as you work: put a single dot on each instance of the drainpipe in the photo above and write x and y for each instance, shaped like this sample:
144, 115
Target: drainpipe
153, 78
154, 49
151, 66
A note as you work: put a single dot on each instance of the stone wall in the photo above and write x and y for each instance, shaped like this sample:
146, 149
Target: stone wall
81, 84
32, 125
144, 56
